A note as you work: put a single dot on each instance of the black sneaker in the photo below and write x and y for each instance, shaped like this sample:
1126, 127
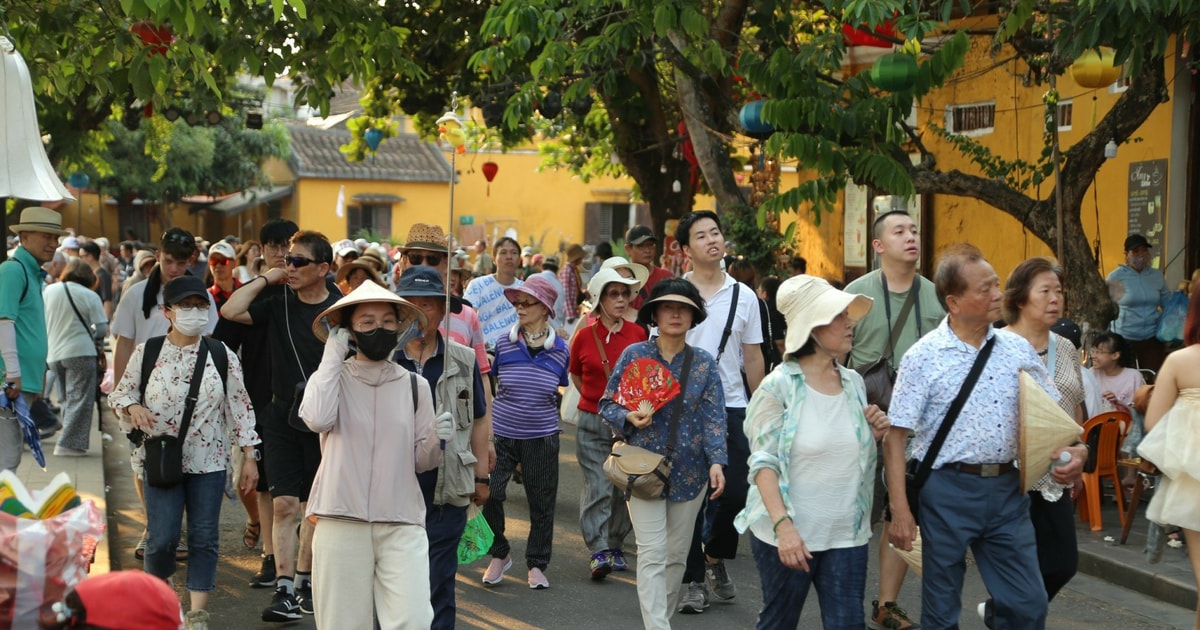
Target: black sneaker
265, 578
284, 607
305, 599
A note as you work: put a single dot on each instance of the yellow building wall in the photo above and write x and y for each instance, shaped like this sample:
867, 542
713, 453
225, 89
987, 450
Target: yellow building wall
1019, 126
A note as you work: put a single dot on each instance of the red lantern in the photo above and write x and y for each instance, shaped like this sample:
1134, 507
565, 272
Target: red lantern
156, 37
863, 36
490, 169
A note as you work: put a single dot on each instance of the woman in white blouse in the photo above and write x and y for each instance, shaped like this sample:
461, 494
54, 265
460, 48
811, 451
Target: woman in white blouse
812, 441
222, 412
75, 322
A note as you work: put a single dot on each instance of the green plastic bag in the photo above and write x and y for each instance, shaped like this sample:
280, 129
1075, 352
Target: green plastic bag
476, 539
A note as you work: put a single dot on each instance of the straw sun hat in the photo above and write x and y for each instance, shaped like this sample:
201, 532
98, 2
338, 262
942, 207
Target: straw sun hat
426, 236
808, 302
366, 292
1045, 428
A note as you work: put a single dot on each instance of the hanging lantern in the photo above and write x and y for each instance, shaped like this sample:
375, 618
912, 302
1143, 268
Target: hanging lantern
1095, 68
582, 105
551, 105
25, 171
156, 37
490, 169
752, 122
865, 36
895, 72
373, 137
79, 180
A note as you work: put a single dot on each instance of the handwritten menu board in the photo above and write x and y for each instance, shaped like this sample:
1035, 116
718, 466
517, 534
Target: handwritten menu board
1147, 204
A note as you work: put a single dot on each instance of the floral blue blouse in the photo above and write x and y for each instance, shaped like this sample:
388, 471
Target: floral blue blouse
700, 442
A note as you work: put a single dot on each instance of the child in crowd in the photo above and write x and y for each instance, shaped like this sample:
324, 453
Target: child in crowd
1112, 367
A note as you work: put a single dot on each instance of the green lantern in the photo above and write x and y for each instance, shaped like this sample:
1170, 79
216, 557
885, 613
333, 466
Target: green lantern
895, 72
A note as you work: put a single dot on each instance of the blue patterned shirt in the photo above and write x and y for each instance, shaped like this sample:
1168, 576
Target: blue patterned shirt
775, 414
987, 428
700, 442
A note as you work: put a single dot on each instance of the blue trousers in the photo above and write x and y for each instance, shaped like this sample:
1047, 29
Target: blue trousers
201, 495
444, 525
989, 515
839, 575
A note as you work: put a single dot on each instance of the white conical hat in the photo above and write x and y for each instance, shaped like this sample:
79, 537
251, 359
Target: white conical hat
1045, 428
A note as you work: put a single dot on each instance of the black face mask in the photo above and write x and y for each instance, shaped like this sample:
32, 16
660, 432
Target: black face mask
377, 344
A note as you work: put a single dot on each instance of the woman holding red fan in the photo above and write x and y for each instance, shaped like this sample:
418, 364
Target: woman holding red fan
689, 429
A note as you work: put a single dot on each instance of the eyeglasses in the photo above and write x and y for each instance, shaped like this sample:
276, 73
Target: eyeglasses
298, 262
428, 258
275, 248
176, 236
189, 308
525, 304
614, 294
219, 262
369, 327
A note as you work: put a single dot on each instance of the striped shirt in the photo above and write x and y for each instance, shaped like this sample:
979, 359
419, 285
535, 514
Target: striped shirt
526, 406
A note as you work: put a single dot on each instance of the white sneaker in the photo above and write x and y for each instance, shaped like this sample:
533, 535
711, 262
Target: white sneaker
982, 611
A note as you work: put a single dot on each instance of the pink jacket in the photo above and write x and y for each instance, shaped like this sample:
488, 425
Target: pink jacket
372, 443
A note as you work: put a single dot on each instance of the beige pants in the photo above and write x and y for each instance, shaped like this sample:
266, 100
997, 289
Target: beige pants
664, 535
360, 567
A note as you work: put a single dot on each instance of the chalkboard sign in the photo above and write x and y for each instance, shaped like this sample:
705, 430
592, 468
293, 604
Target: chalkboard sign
1147, 204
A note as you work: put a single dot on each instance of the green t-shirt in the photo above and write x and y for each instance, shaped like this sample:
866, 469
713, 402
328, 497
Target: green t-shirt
23, 275
871, 332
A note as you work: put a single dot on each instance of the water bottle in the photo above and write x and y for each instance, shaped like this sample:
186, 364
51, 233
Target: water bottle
1052, 490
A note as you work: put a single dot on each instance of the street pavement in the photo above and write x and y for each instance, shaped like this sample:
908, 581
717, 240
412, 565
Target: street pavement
577, 603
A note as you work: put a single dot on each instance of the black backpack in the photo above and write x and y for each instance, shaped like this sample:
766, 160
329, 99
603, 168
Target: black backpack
154, 345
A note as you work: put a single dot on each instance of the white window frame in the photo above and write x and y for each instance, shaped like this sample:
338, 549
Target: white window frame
1067, 104
981, 131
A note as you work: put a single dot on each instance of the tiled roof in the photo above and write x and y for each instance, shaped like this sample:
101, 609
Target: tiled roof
404, 158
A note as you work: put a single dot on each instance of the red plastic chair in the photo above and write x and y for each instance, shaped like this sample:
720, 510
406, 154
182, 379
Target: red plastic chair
1104, 433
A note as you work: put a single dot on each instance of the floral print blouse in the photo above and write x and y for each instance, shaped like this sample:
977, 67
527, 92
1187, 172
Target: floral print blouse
700, 441
222, 414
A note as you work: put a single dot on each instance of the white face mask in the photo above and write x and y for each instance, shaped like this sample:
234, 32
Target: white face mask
191, 321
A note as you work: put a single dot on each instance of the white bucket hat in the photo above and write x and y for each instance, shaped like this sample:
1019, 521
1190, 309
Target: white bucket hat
596, 285
808, 302
640, 272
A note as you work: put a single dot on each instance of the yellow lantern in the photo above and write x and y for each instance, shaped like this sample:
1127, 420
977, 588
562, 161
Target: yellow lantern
1095, 69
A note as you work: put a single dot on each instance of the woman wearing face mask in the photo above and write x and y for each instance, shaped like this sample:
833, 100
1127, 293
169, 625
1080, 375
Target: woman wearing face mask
1140, 292
377, 427
530, 366
221, 410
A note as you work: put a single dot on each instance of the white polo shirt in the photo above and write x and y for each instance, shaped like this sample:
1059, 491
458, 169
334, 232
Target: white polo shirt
747, 328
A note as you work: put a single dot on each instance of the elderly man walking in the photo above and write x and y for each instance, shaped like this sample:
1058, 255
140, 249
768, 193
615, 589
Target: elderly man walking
973, 496
23, 343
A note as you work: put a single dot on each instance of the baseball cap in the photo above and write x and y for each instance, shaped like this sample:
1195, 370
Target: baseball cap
181, 288
639, 234
71, 242
1135, 241
224, 249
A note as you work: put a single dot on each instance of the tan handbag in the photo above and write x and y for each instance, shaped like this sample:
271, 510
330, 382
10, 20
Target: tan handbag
637, 471
643, 473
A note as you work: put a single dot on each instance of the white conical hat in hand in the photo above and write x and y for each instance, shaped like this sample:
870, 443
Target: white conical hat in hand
1045, 428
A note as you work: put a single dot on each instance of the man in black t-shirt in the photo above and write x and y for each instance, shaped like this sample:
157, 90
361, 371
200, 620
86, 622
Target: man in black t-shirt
293, 455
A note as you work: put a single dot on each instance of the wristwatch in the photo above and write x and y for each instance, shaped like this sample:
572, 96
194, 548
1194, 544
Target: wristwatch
484, 480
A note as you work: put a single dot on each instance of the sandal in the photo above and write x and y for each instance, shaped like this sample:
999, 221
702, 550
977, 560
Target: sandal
139, 552
181, 552
251, 535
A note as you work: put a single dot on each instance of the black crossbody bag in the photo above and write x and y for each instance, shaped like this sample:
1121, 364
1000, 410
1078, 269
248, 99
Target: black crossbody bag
917, 471
164, 453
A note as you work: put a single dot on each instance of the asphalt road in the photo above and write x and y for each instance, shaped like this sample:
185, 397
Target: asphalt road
574, 601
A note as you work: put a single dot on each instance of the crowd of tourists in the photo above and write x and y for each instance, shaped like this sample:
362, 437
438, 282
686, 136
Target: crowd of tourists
366, 400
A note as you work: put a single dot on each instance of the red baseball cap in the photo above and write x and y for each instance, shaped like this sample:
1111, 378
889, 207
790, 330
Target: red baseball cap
130, 599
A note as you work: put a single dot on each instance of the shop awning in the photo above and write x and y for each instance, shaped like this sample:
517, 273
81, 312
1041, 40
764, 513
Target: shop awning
238, 203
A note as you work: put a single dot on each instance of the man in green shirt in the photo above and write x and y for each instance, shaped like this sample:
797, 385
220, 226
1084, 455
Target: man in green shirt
898, 246
23, 345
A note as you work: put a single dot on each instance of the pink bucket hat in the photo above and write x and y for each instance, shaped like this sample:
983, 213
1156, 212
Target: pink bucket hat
537, 287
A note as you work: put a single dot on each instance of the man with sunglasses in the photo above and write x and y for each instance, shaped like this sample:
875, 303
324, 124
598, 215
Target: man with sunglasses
293, 455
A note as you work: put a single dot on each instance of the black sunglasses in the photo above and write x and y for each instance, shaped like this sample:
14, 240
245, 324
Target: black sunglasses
428, 258
177, 236
298, 261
